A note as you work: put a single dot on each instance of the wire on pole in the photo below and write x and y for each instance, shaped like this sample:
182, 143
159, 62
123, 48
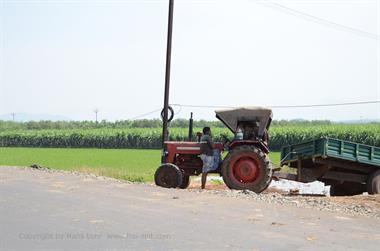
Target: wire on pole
273, 107
319, 20
283, 106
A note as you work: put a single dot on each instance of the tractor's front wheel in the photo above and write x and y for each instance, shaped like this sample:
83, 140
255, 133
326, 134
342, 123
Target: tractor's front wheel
247, 167
185, 182
168, 176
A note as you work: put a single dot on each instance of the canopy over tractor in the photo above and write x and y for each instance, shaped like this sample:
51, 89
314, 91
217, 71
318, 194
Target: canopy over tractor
259, 116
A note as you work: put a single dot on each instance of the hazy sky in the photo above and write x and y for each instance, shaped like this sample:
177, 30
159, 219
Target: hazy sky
70, 57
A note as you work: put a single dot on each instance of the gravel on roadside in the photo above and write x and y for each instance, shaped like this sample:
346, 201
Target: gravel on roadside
362, 205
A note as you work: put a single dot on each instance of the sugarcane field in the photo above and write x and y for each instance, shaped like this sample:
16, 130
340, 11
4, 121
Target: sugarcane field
189, 125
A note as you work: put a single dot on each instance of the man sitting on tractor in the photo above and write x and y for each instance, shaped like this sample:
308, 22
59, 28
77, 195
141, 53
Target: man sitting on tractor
211, 157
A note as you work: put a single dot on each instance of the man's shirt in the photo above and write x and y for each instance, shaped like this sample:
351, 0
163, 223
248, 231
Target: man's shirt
206, 145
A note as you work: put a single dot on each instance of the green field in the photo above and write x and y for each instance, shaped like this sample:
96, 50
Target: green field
126, 164
150, 138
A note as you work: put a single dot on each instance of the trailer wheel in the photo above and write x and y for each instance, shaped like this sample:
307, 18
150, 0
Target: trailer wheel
347, 189
247, 167
337, 190
373, 183
168, 176
185, 182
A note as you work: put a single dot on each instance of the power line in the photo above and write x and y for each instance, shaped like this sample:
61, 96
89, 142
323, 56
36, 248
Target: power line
274, 107
328, 105
145, 114
153, 112
283, 106
204, 106
319, 20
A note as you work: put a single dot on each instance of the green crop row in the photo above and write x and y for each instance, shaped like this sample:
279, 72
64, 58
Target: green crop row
151, 138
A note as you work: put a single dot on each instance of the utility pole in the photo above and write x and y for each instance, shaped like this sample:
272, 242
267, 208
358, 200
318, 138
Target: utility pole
165, 131
96, 115
13, 116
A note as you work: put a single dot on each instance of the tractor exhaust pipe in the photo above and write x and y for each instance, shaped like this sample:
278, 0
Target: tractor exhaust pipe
191, 122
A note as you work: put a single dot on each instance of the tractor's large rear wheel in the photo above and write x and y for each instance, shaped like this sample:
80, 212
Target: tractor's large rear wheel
247, 167
168, 176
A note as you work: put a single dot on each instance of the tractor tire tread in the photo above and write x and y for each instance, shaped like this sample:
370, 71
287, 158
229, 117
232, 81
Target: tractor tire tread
177, 181
185, 182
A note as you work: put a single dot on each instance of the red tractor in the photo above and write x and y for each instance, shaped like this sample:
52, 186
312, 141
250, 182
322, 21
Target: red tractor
246, 165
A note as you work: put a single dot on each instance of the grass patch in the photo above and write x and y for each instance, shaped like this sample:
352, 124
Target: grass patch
217, 182
125, 164
133, 165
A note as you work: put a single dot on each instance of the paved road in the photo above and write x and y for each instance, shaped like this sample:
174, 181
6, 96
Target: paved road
56, 211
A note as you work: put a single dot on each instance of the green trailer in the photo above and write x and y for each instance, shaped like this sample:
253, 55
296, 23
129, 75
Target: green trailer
349, 168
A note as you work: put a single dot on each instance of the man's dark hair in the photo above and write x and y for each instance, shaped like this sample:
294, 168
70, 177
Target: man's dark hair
206, 130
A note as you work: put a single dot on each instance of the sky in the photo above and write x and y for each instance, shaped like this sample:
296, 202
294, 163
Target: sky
69, 58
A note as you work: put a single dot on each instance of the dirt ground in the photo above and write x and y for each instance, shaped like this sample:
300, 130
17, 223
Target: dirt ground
372, 201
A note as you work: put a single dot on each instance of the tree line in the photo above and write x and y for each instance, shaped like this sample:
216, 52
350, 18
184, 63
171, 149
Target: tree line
141, 123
